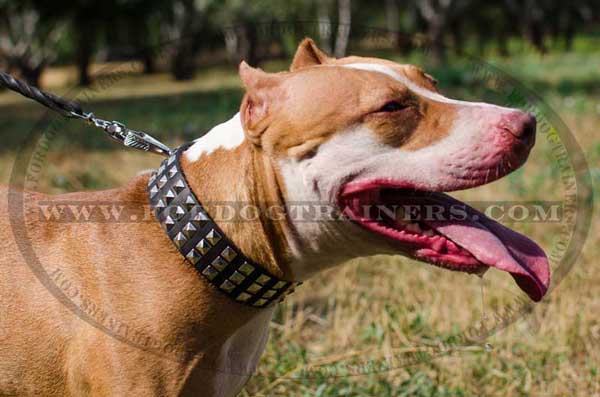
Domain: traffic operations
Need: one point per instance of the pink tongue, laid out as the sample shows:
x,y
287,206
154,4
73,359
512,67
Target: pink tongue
x,y
496,245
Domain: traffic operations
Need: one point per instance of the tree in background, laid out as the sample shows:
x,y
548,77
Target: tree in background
x,y
439,16
243,21
30,30
86,20
326,25
28,40
184,23
343,31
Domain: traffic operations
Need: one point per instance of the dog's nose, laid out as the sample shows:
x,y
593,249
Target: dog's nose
x,y
521,124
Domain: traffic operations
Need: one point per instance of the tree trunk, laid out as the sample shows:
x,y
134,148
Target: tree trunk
x,y
392,21
183,66
85,49
147,49
324,25
148,61
457,37
569,35
253,58
438,48
343,33
31,74
535,35
232,44
502,39
438,17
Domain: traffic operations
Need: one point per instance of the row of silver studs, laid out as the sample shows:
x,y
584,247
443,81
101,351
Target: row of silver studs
x,y
161,197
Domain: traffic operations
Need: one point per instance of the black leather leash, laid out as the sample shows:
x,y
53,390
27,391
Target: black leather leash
x,y
115,130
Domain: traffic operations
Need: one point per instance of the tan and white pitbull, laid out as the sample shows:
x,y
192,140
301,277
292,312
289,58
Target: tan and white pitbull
x,y
345,132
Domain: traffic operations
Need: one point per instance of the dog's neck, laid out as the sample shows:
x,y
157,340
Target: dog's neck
x,y
225,170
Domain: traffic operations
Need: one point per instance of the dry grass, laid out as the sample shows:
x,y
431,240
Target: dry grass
x,y
393,307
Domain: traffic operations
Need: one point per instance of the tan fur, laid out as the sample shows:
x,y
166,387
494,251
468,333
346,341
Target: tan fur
x,y
132,273
312,113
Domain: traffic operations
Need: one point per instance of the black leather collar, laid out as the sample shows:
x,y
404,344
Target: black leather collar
x,y
203,243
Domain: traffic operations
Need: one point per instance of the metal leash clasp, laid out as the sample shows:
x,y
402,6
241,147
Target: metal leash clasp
x,y
126,136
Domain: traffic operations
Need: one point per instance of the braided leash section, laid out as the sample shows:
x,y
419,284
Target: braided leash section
x,y
64,107
117,131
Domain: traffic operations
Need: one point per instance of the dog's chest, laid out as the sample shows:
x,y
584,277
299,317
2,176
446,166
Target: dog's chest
x,y
235,360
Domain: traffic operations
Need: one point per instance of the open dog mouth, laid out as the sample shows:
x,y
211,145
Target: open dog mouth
x,y
436,228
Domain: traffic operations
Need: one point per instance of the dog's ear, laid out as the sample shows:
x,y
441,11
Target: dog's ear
x,y
262,90
308,54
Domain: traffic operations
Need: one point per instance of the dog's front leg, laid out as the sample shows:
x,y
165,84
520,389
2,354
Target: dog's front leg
x,y
104,366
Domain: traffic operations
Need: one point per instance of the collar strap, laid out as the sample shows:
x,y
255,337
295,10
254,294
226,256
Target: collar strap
x,y
204,245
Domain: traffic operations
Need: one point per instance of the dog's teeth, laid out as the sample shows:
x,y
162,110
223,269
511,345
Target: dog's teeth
x,y
452,247
438,244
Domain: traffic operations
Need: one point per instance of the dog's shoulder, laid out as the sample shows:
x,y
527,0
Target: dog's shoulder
x,y
50,215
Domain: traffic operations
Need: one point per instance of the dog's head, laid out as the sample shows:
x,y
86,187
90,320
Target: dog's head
x,y
377,142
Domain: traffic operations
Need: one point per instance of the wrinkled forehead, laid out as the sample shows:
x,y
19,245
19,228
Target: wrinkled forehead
x,y
409,75
359,81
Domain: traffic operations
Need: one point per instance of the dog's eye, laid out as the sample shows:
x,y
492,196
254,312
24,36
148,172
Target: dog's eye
x,y
392,106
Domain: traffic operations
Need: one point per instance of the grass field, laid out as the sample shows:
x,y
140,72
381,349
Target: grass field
x,y
379,307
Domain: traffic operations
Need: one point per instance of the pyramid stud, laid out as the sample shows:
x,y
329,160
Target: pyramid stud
x,y
269,293
262,279
210,272
152,177
246,268
161,168
168,223
159,207
179,185
193,256
161,181
189,230
203,247
243,297
228,254
169,196
153,191
227,286
219,263
178,213
189,202
237,277
200,219
260,303
279,285
172,171
254,288
287,291
213,236
179,240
